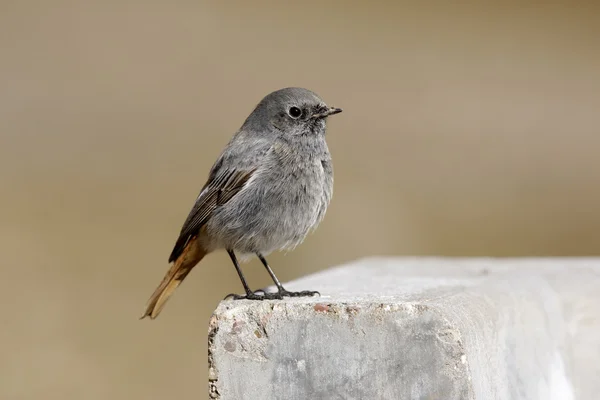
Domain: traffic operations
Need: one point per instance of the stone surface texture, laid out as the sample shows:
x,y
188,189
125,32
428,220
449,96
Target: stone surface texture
x,y
417,328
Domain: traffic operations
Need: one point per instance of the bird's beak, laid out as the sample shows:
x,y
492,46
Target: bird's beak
x,y
333,110
327,112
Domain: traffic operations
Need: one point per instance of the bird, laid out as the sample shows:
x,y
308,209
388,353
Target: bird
x,y
268,189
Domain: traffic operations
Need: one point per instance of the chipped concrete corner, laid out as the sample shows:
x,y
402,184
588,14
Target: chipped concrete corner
x,y
301,349
213,328
417,328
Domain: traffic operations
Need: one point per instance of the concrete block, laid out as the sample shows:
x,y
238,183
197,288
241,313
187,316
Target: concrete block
x,y
417,328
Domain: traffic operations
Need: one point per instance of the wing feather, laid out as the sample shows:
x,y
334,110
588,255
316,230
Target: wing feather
x,y
222,186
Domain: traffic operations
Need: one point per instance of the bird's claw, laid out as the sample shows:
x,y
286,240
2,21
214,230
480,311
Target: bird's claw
x,y
247,296
279,295
303,293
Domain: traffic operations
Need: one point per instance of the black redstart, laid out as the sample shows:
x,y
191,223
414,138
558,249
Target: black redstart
x,y
268,189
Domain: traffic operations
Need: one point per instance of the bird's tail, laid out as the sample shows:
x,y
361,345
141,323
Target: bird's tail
x,y
181,267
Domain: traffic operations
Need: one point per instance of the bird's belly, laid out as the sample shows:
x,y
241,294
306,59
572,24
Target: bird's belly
x,y
276,214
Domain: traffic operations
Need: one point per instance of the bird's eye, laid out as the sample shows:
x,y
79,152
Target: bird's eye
x,y
295,112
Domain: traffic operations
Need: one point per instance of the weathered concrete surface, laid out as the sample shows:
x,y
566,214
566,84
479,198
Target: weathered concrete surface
x,y
404,328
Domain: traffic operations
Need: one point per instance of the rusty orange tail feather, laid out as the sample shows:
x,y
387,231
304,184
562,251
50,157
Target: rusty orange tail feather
x,y
191,255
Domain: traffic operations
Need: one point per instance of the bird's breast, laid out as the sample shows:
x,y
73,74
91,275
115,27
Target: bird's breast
x,y
281,203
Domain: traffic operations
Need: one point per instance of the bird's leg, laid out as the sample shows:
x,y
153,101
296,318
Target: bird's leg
x,y
250,295
281,291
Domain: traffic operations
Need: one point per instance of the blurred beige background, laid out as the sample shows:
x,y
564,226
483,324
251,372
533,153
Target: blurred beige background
x,y
467,130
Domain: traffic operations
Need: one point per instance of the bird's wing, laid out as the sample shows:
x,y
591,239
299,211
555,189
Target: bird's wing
x,y
222,185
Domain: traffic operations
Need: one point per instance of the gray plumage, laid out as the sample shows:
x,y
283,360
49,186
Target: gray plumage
x,y
268,189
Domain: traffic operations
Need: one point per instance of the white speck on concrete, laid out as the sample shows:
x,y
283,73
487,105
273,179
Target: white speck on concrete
x,y
559,387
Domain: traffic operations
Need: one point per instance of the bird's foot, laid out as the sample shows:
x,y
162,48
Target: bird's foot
x,y
247,296
303,293
279,295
